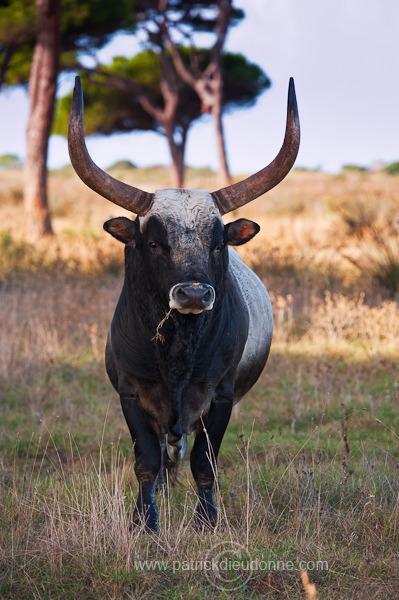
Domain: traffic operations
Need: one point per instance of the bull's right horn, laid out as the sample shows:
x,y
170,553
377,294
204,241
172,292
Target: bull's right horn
x,y
122,194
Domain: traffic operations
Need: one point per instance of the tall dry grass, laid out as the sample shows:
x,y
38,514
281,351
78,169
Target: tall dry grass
x,y
70,532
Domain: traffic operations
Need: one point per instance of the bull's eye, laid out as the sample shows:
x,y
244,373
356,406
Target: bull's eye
x,y
219,248
153,245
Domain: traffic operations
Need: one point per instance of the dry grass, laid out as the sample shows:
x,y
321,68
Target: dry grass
x,y
308,472
287,508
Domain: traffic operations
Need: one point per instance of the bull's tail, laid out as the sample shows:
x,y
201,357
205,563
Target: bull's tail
x,y
171,470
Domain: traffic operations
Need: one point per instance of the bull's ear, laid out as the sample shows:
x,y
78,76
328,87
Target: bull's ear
x,y
122,229
240,231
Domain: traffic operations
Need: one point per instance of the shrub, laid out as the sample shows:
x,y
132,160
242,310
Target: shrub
x,y
353,169
10,161
359,215
380,257
393,168
122,164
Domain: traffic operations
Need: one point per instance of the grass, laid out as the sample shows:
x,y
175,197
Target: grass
x,y
308,477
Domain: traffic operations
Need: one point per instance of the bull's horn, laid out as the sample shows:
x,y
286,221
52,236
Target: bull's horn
x,y
238,194
124,195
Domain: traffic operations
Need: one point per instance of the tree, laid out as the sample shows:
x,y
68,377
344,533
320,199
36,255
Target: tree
x,y
184,18
173,24
42,88
130,97
36,43
207,82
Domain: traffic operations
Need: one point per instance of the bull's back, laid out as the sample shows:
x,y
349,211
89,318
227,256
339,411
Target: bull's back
x,y
260,330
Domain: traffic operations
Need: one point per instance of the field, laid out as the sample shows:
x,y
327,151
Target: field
x,y
309,467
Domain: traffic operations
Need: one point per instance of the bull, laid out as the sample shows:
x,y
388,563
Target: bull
x,y
193,325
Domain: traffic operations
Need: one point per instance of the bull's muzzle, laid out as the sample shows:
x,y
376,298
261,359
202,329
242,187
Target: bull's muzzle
x,y
192,297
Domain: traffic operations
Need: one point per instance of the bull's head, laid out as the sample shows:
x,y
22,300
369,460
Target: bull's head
x,y
180,236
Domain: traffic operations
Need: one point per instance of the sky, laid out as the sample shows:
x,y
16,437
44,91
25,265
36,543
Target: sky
x,y
343,55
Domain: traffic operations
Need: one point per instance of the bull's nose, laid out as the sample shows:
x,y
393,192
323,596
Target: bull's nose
x,y
192,297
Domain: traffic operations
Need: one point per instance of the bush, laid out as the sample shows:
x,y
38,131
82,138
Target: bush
x,y
392,169
380,257
359,214
353,169
122,164
10,161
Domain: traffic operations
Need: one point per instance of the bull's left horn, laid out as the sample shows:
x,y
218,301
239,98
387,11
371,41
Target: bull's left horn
x,y
120,193
238,194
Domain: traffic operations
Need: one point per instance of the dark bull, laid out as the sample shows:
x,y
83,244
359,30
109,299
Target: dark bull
x,y
193,325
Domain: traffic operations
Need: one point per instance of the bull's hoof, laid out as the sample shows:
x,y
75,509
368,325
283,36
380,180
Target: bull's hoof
x,y
205,518
161,487
148,521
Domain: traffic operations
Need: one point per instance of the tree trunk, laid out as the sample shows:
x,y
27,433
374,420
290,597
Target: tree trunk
x,y
42,90
208,84
177,171
177,151
224,172
216,111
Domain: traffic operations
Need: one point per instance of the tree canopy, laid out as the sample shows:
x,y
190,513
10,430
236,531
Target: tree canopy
x,y
85,25
187,18
109,110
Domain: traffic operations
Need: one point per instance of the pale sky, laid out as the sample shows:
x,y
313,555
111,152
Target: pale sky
x,y
344,56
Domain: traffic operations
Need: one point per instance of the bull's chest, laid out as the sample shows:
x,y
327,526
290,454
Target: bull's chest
x,y
159,400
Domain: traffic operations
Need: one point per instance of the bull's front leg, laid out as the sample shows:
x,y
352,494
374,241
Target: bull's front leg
x,y
148,458
204,457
